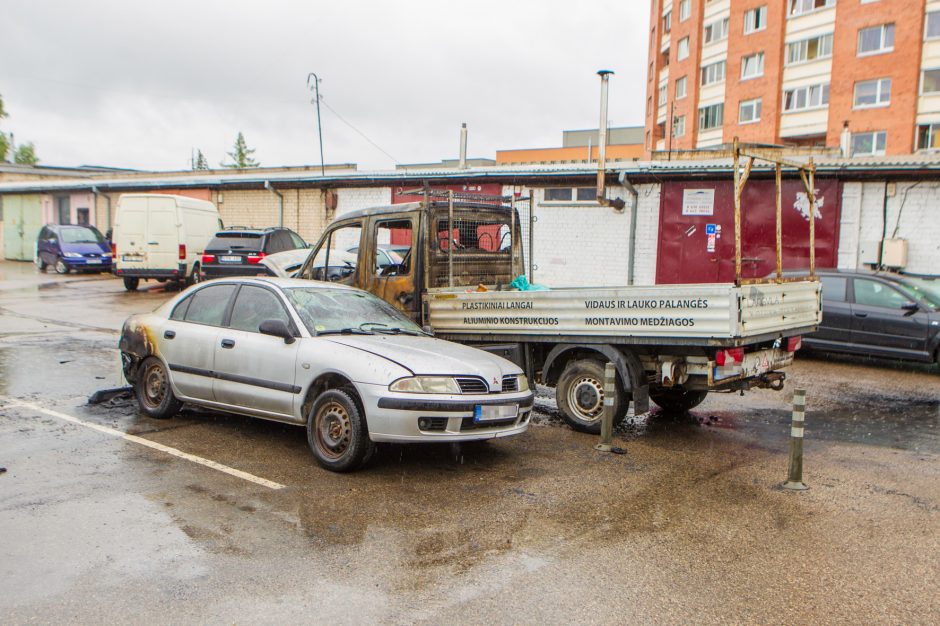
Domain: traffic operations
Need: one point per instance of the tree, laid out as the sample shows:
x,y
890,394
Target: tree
x,y
25,154
4,148
3,112
241,154
200,162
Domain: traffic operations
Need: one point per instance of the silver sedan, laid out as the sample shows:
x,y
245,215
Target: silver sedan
x,y
338,360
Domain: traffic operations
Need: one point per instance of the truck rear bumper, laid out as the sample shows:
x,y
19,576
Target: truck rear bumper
x,y
133,272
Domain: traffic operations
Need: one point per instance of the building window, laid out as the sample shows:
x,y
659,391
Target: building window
x,y
749,111
681,87
715,31
682,49
809,49
869,144
661,98
678,126
570,194
649,106
799,7
64,210
685,10
928,136
712,116
872,93
667,22
808,97
932,25
876,39
755,20
665,58
714,73
752,66
930,81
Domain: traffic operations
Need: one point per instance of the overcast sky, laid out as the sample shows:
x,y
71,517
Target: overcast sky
x,y
139,84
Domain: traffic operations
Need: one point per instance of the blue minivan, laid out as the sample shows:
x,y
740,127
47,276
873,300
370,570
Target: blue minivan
x,y
67,247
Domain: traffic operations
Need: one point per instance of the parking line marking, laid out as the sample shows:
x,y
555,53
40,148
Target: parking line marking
x,y
231,471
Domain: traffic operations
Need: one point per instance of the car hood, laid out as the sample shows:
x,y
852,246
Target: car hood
x,y
426,355
85,248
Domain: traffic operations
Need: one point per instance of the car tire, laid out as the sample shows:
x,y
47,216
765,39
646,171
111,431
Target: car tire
x,y
677,399
40,264
153,391
196,277
337,432
579,394
60,266
131,283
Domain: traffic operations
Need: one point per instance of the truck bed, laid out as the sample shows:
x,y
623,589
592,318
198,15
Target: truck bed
x,y
700,314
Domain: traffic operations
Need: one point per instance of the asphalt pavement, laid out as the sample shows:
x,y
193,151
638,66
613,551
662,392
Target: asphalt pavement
x,y
106,515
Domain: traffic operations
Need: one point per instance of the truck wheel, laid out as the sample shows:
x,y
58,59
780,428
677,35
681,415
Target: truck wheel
x,y
131,283
677,399
154,394
60,266
580,396
337,432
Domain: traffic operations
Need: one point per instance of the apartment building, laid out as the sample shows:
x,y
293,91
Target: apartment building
x,y
863,75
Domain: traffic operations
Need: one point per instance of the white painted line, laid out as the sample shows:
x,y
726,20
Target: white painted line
x,y
231,471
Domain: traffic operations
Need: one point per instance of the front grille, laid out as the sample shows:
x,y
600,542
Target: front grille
x,y
472,385
467,423
510,383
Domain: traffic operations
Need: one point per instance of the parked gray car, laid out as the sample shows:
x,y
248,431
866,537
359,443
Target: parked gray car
x,y
336,359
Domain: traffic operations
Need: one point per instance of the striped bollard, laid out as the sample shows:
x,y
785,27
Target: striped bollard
x,y
607,413
795,475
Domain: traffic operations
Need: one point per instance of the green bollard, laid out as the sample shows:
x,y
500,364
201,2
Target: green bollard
x,y
795,474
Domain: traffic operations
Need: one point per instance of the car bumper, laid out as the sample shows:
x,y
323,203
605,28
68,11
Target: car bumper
x,y
123,271
88,264
395,417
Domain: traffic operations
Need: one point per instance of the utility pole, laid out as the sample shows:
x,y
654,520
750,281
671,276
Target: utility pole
x,y
316,90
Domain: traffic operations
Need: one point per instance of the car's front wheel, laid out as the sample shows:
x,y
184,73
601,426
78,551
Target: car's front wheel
x,y
337,432
60,266
153,391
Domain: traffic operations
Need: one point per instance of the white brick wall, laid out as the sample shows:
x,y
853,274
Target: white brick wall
x,y
357,198
647,234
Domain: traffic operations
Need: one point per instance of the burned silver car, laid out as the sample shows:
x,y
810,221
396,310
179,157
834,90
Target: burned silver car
x,y
335,359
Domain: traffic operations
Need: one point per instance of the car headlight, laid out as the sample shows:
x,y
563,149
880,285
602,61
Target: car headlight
x,y
425,384
106,255
72,255
523,382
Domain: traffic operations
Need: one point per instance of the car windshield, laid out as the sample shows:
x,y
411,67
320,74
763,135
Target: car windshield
x,y
81,234
928,290
325,311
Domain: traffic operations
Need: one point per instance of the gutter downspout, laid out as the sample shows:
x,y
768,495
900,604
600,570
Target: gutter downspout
x,y
634,202
95,192
280,202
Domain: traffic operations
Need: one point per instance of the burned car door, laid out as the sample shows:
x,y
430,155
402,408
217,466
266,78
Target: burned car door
x,y
393,282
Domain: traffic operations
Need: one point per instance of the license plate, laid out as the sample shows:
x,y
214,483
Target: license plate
x,y
132,259
230,259
495,412
92,261
755,364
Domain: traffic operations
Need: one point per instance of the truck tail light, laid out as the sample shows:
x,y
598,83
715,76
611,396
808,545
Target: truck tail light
x,y
794,344
113,249
208,258
255,258
729,356
182,252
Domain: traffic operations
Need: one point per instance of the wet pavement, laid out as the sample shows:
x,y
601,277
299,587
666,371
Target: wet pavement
x,y
688,526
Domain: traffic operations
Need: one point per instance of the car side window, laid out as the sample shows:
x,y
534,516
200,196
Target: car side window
x,y
833,288
254,305
296,240
209,304
44,234
874,293
179,311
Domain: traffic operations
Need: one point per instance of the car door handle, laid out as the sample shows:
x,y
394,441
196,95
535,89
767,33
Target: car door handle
x,y
861,315
169,334
228,343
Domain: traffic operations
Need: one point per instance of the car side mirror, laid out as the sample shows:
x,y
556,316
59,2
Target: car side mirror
x,y
277,328
911,307
52,241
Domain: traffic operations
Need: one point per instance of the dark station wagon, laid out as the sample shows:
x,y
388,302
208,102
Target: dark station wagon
x,y
239,251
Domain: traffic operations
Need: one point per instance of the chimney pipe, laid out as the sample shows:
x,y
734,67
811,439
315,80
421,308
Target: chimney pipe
x,y
463,146
602,138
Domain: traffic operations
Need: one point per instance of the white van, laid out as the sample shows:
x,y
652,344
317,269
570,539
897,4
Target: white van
x,y
161,237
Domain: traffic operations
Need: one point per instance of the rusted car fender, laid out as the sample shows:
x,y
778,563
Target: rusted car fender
x,y
136,344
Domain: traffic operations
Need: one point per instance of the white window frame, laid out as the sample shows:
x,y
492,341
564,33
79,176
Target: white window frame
x,y
684,81
684,42
936,16
823,94
662,95
573,198
667,22
923,73
796,8
759,56
705,71
678,126
933,128
685,10
755,20
874,137
720,26
880,91
711,107
754,105
880,50
804,49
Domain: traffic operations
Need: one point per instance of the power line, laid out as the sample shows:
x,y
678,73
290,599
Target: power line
x,y
364,136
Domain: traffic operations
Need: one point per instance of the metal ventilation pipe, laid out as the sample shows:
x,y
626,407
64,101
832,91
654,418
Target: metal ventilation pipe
x,y
463,146
602,147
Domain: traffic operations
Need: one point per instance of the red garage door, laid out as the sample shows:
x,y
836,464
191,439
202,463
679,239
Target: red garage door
x,y
696,229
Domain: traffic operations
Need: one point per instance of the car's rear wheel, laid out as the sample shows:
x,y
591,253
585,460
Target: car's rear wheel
x,y
60,266
337,432
196,277
580,396
40,264
153,391
131,283
677,399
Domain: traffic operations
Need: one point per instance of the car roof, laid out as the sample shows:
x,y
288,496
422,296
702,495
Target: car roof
x,y
887,275
283,283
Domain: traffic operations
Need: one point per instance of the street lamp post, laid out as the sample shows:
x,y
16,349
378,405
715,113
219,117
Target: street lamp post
x,y
316,89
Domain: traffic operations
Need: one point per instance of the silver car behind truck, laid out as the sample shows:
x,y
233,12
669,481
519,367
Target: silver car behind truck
x,y
338,360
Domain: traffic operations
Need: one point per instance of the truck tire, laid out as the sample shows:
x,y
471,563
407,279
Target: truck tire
x,y
131,283
580,396
677,399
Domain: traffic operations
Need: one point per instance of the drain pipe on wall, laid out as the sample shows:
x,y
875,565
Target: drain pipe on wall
x,y
280,202
634,202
